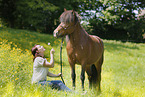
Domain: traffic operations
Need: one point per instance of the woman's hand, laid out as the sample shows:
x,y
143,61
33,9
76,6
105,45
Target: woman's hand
x,y
53,75
60,74
52,51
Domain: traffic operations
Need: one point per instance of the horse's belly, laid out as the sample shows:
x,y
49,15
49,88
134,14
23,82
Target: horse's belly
x,y
87,55
81,59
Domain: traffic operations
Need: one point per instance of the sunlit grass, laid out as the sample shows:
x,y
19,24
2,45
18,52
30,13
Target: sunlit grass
x,y
123,71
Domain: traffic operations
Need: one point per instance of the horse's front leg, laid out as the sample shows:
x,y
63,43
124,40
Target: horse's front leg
x,y
83,76
73,74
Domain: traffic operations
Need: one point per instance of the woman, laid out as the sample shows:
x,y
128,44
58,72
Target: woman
x,y
40,69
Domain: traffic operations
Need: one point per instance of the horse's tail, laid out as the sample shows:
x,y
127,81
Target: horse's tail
x,y
96,73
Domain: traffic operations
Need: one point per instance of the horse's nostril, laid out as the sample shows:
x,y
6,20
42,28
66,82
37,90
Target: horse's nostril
x,y
56,33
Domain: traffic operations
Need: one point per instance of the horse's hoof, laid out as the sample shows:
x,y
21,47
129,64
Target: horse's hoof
x,y
84,92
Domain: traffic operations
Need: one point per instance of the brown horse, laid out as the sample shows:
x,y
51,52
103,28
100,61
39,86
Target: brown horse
x,y
82,48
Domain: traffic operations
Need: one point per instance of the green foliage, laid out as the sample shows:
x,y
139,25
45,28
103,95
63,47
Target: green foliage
x,y
115,19
122,72
7,9
36,15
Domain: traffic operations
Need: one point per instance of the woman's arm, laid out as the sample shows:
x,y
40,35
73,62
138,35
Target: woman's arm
x,y
53,75
51,64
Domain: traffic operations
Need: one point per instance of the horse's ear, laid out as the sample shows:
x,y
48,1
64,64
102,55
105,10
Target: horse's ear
x,y
73,12
65,9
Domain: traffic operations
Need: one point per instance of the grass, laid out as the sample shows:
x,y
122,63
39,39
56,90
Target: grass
x,y
123,71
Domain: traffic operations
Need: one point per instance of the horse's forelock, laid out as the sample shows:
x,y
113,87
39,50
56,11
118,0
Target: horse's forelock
x,y
68,17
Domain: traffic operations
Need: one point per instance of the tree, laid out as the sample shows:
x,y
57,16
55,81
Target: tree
x,y
115,19
7,8
38,15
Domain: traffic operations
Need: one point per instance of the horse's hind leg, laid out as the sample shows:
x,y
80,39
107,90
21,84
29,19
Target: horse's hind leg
x,y
97,79
89,73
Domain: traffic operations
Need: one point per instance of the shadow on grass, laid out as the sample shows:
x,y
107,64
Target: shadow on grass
x,y
115,46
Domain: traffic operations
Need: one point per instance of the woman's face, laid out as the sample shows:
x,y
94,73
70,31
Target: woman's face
x,y
40,49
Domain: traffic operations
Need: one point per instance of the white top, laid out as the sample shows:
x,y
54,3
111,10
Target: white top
x,y
39,71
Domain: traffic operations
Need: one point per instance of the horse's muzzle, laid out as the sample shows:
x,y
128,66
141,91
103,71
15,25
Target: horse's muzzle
x,y
55,34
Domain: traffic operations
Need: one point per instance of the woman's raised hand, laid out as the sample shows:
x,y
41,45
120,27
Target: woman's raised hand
x,y
52,51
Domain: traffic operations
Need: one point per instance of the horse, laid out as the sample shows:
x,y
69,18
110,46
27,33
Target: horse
x,y
82,48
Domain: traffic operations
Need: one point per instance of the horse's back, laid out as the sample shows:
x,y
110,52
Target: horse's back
x,y
97,40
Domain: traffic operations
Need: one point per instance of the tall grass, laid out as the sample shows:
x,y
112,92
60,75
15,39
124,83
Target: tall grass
x,y
123,71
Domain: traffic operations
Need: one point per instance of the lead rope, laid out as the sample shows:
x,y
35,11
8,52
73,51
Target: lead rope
x,y
61,59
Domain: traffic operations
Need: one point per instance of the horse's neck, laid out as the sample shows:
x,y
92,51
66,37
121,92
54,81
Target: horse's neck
x,y
77,36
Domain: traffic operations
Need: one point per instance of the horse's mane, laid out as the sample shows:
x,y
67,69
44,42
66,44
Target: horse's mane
x,y
69,17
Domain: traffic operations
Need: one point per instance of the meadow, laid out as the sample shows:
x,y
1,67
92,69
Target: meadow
x,y
123,71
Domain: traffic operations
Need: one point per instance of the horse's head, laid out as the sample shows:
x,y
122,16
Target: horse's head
x,y
68,21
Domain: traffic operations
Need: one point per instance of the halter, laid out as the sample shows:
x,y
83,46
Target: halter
x,y
64,27
68,26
